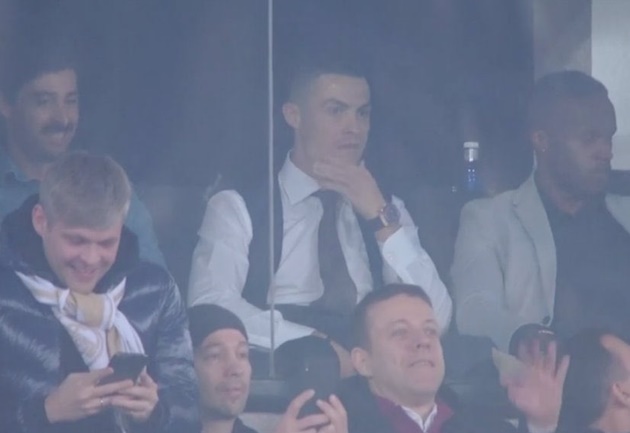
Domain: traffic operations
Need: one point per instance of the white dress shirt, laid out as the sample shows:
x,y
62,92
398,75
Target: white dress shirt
x,y
425,424
220,260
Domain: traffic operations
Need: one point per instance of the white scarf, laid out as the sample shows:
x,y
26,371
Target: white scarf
x,y
97,327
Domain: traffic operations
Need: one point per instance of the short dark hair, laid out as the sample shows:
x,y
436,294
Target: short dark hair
x,y
360,336
556,87
319,62
30,57
591,373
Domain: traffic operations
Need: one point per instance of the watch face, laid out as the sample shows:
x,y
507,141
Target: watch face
x,y
391,214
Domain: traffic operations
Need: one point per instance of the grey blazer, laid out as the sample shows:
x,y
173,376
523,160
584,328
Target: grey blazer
x,y
504,267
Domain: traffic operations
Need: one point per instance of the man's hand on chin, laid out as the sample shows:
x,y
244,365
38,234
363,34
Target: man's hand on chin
x,y
355,182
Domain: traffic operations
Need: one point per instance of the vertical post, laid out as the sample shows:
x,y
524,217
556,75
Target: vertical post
x,y
271,181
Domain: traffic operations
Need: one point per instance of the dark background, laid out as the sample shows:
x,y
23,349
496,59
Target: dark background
x,y
177,90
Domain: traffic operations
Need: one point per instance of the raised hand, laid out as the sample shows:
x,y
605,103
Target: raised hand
x,y
354,182
537,392
337,415
289,423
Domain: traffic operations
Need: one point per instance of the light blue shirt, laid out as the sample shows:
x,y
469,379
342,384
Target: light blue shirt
x,y
15,187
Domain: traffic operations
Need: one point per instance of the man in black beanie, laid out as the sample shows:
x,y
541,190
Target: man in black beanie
x,y
222,365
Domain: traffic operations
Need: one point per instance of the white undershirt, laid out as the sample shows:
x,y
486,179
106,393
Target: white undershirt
x,y
424,424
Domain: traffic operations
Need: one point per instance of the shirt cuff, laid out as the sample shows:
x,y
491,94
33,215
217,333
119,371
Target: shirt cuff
x,y
531,428
400,249
284,331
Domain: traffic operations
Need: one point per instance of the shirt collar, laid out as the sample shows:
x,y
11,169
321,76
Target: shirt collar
x,y
393,410
296,184
9,170
424,424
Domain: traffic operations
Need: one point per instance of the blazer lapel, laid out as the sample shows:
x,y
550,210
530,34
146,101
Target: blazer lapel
x,y
619,207
531,212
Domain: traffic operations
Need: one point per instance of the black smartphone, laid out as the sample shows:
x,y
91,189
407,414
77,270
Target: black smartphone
x,y
320,376
308,363
126,366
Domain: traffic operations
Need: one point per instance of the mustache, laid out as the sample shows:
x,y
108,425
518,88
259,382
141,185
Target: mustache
x,y
57,127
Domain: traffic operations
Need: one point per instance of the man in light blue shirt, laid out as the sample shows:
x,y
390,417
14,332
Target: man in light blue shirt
x,y
39,101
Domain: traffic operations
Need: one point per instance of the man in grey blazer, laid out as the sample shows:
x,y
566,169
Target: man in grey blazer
x,y
556,250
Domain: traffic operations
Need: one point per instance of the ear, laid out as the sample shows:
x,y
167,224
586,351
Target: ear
x,y
291,113
361,361
540,141
40,222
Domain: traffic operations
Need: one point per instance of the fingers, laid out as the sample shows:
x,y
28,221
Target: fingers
x,y
97,404
334,165
563,368
549,359
528,351
129,404
335,412
334,176
541,355
522,352
145,389
337,405
145,380
312,421
137,409
296,404
112,388
95,376
137,392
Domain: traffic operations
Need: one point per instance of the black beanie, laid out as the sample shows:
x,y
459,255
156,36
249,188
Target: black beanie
x,y
205,319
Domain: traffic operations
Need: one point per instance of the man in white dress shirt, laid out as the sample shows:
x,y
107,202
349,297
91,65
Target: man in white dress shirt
x,y
329,111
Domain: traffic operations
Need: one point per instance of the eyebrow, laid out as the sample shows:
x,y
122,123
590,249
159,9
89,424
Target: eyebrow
x,y
406,322
345,105
213,345
335,101
47,93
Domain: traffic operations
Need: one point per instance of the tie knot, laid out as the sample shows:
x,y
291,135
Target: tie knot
x,y
328,198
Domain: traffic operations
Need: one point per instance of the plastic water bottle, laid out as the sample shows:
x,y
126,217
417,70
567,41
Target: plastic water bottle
x,y
472,182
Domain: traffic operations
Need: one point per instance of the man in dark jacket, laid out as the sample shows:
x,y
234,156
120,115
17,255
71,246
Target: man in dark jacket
x,y
74,293
398,355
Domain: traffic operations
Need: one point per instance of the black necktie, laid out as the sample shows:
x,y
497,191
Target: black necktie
x,y
340,292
